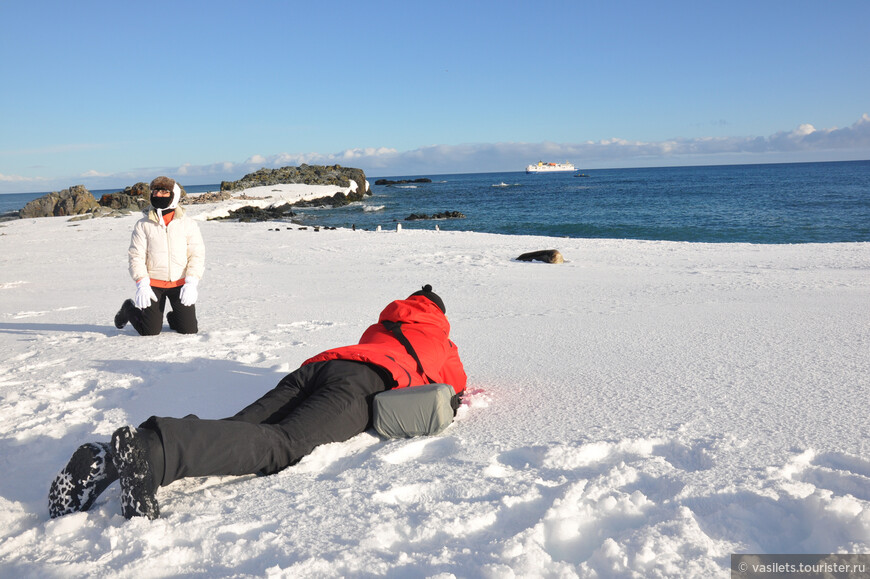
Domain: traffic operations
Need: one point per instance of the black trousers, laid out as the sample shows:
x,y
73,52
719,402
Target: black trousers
x,y
149,322
318,403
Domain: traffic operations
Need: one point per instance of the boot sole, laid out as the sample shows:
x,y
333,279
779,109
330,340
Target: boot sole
x,y
87,474
134,471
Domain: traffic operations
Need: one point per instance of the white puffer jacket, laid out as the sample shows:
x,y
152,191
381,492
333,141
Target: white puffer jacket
x,y
166,253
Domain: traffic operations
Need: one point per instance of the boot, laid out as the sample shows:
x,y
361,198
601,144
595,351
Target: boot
x,y
123,315
82,480
130,453
170,319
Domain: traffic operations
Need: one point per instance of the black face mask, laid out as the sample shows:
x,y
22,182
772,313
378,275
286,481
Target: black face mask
x,y
161,202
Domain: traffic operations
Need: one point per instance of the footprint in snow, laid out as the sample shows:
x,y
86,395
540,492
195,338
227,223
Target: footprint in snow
x,y
840,473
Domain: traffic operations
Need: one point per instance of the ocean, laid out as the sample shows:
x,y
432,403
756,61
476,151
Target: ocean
x,y
773,203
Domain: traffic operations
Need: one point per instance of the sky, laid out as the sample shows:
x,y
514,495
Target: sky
x,y
107,94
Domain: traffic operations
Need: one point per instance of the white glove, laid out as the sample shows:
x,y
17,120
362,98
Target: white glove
x,y
188,291
144,294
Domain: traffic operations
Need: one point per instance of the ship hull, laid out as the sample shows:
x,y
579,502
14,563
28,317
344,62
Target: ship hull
x,y
550,168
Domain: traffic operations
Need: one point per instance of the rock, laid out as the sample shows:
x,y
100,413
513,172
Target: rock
x,y
449,215
402,181
545,255
124,202
142,189
337,200
304,174
442,215
334,175
73,201
214,197
249,213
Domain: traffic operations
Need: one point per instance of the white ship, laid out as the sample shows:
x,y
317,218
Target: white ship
x,y
542,167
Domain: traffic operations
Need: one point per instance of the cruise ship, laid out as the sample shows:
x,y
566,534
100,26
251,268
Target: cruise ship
x,y
542,167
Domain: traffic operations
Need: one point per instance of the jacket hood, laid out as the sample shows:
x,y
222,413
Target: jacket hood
x,y
415,310
426,328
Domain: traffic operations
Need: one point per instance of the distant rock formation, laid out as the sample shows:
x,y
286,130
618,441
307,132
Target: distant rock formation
x,y
442,215
124,202
213,197
78,201
135,198
337,200
249,213
73,201
335,175
402,181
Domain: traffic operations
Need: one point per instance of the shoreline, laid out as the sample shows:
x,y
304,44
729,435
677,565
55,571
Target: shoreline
x,y
712,207
274,195
265,196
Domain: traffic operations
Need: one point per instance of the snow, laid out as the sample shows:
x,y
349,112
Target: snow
x,y
644,409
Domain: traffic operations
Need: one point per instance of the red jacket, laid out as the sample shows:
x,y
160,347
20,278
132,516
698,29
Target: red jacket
x,y
428,331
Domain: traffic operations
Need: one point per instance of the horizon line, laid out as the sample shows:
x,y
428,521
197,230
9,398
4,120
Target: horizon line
x,y
116,188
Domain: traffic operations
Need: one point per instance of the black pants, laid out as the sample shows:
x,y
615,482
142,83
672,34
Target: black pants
x,y
149,322
318,403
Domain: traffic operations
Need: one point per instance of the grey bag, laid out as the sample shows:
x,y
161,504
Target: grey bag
x,y
414,411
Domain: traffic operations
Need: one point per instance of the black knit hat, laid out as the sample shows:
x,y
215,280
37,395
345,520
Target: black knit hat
x,y
427,292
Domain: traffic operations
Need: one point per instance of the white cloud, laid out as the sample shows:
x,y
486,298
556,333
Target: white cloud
x,y
513,156
19,179
805,143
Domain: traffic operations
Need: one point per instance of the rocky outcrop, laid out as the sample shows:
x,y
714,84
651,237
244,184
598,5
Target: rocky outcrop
x,y
78,201
73,201
135,198
337,200
250,213
304,174
213,197
124,202
442,215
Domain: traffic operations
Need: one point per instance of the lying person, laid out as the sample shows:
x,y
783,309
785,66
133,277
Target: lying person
x,y
327,399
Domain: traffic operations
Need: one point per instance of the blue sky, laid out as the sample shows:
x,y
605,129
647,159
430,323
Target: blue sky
x,y
110,93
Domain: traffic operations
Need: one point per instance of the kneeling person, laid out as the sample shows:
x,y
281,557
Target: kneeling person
x,y
166,259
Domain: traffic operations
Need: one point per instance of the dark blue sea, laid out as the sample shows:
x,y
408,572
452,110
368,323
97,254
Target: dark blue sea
x,y
775,203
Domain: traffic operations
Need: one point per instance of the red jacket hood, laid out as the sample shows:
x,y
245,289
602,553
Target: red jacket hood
x,y
416,310
426,328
